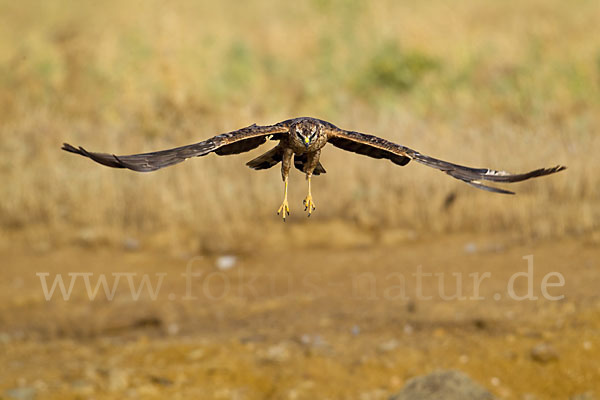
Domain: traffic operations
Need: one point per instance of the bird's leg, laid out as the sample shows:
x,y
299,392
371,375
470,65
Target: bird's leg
x,y
285,208
286,162
312,160
308,202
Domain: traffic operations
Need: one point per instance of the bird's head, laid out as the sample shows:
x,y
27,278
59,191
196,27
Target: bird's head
x,y
305,133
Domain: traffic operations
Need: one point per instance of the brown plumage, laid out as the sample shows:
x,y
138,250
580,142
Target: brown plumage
x,y
302,139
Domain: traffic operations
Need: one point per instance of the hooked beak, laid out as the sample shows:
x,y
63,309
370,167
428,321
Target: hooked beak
x,y
306,141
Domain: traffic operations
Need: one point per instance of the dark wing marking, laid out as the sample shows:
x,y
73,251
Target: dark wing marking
x,y
235,142
376,147
367,145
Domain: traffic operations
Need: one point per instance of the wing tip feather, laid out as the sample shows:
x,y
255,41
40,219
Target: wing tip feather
x,y
70,148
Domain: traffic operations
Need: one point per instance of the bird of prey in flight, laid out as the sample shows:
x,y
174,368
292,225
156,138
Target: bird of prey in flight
x,y
300,143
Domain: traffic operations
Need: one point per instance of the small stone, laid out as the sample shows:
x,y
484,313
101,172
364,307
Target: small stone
x,y
543,353
87,237
470,248
20,393
388,346
278,353
443,384
131,244
306,339
226,262
173,329
315,340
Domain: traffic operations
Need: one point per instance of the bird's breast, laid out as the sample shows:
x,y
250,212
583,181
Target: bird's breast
x,y
300,148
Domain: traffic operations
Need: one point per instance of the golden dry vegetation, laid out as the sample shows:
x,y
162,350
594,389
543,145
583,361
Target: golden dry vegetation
x,y
510,85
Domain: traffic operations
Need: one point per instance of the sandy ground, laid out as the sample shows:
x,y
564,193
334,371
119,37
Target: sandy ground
x,y
302,324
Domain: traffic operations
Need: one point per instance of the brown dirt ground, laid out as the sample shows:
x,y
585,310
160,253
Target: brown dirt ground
x,y
302,324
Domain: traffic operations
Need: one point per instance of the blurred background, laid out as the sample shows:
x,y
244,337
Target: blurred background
x,y
509,85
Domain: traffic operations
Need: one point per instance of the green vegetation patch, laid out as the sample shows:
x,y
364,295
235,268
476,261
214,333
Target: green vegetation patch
x,y
395,69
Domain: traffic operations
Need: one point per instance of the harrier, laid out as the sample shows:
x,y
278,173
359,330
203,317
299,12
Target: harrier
x,y
300,143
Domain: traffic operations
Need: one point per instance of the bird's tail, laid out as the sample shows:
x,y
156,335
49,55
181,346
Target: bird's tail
x,y
274,157
300,159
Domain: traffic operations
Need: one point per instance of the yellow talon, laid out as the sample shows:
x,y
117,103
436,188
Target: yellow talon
x,y
284,210
309,204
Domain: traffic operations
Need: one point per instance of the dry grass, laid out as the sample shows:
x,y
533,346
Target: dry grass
x,y
512,85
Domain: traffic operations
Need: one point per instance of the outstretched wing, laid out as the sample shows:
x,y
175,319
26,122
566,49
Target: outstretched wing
x,y
235,142
376,147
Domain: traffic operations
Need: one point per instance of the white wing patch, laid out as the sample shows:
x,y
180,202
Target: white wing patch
x,y
496,173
